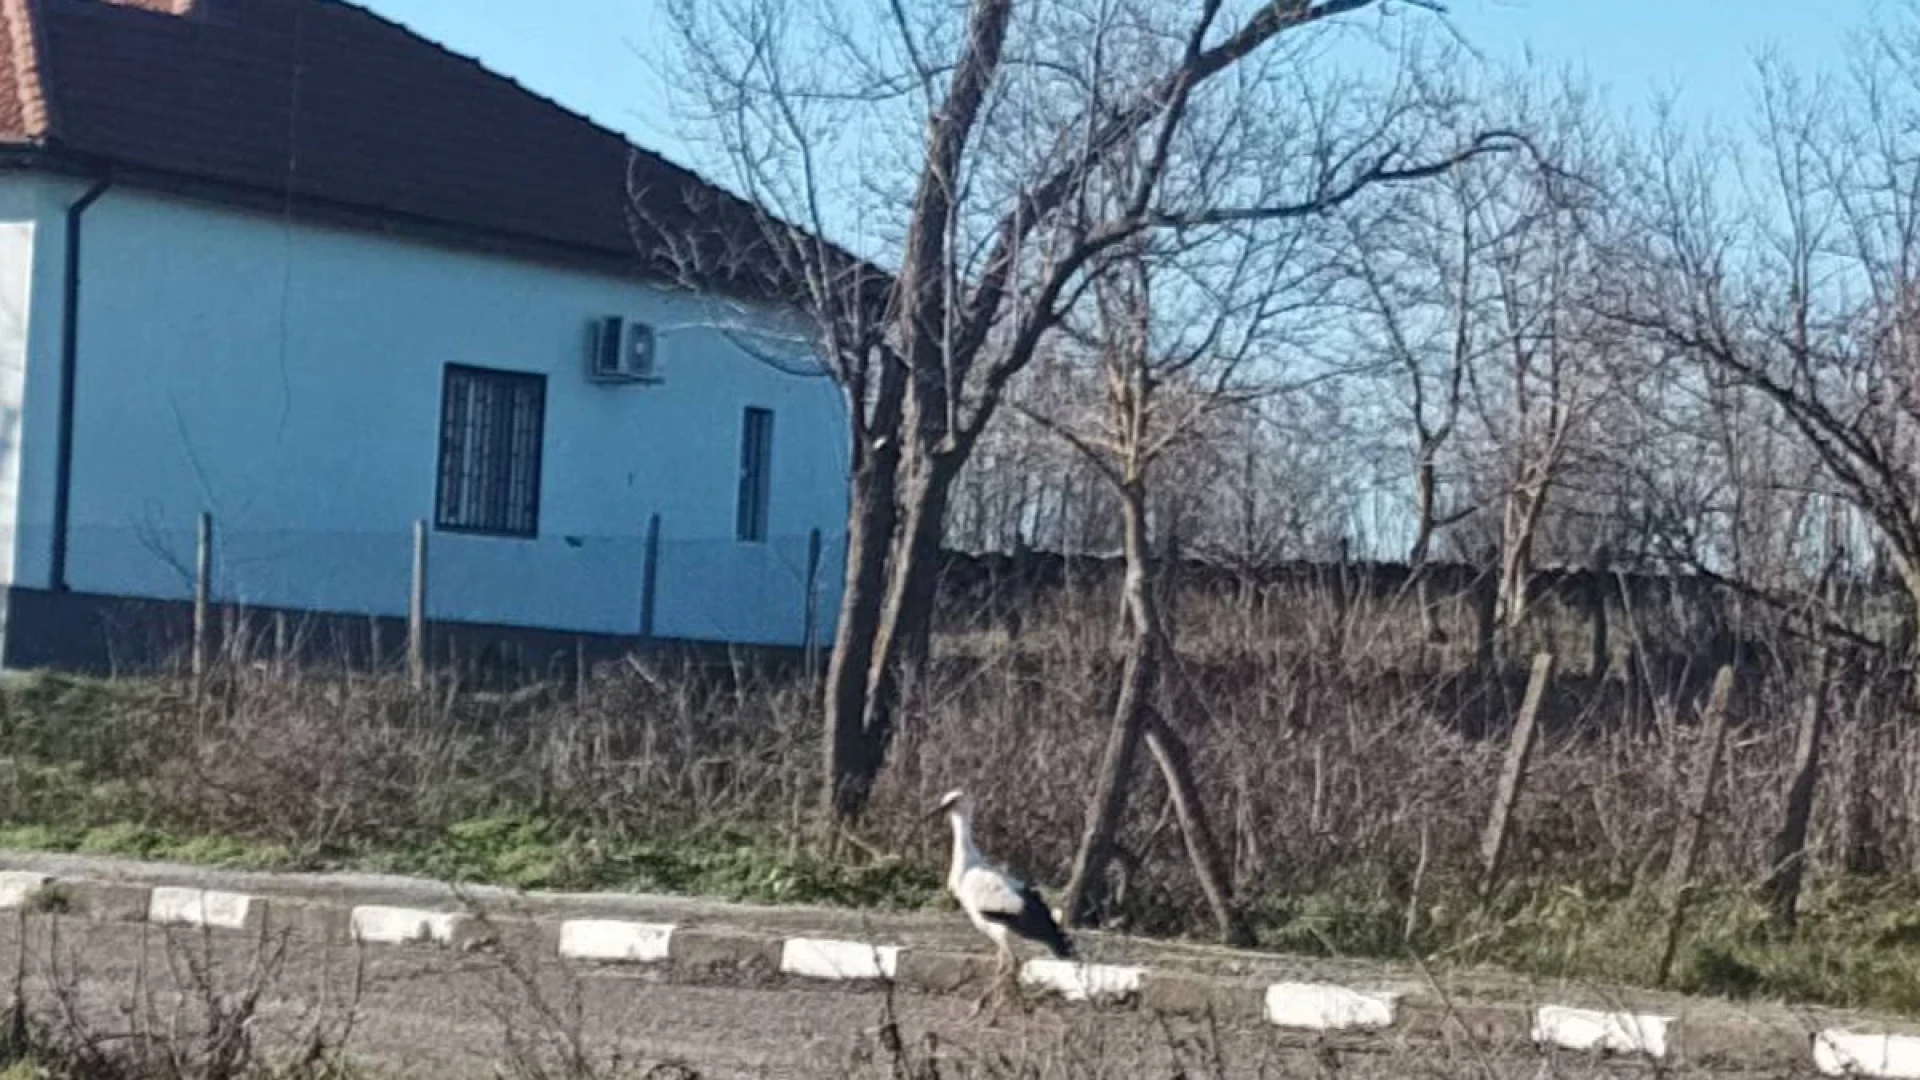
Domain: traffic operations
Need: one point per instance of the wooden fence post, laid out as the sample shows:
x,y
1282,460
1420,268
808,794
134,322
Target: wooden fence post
x,y
202,598
1790,843
649,576
1513,775
1686,841
417,610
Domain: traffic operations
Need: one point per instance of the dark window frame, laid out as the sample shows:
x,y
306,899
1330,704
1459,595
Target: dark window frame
x,y
753,506
508,442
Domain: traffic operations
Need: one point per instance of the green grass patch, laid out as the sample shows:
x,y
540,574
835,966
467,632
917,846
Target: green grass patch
x,y
1855,946
142,842
534,853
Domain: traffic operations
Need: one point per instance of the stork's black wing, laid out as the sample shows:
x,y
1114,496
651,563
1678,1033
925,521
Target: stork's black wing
x,y
1033,921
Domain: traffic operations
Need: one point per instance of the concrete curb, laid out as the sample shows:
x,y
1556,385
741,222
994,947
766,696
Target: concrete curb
x,y
1412,1013
171,905
378,924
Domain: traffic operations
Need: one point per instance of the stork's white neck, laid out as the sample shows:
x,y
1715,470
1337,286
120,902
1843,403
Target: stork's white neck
x,y
964,853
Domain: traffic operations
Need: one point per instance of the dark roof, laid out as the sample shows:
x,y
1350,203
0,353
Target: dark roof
x,y
323,103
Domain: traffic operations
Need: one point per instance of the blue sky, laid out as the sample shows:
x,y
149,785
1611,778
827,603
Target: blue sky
x,y
601,57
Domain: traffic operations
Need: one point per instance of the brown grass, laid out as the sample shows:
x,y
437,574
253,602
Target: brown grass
x,y
1348,767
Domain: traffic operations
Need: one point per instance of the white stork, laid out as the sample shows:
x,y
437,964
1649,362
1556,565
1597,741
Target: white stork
x,y
998,904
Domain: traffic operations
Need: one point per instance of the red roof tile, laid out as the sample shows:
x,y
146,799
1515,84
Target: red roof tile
x,y
324,101
23,110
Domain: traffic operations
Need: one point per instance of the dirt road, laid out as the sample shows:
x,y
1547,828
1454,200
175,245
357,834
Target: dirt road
x,y
446,1015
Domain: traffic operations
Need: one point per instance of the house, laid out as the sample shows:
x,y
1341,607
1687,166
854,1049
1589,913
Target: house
x,y
288,265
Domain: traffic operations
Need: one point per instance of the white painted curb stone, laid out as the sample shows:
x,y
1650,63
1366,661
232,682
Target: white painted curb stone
x,y
1081,982
1323,1007
821,959
1847,1053
620,942
19,888
1590,1029
376,925
170,905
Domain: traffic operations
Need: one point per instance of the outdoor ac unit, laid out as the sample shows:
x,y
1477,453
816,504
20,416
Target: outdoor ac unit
x,y
622,351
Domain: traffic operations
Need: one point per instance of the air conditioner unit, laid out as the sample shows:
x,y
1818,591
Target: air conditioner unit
x,y
622,351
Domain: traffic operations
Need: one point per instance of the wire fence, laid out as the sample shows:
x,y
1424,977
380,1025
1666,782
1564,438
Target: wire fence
x,y
651,583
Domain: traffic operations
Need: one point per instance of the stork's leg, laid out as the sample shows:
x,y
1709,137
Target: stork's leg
x,y
980,1003
1003,964
1003,981
1010,979
993,981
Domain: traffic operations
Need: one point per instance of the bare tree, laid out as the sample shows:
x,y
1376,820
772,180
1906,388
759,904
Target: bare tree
x,y
1467,292
1027,104
1175,329
1279,474
1797,290
1555,358
1415,270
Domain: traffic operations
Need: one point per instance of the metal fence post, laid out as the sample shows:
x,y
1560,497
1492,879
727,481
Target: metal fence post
x,y
417,610
202,598
649,576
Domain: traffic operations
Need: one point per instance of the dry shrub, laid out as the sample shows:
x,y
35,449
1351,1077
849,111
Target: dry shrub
x,y
1348,766
192,1012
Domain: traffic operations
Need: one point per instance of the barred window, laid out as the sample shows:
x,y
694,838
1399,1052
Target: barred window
x,y
491,427
756,468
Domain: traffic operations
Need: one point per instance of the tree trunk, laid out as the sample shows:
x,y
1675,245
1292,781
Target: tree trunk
x,y
1516,555
900,643
1425,485
1108,803
1864,853
870,520
1203,845
915,386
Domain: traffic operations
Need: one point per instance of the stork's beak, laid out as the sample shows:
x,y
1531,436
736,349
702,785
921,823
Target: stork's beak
x,y
939,811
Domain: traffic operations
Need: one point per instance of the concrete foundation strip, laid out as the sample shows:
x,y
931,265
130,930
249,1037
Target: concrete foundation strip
x,y
21,889
375,924
1847,1053
818,959
1324,1007
612,941
1610,1032
1301,1006
208,908
1076,981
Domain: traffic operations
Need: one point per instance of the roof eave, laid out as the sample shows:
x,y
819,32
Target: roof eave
x,y
630,264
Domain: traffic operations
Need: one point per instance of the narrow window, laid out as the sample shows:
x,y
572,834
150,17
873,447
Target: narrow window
x,y
756,467
491,427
